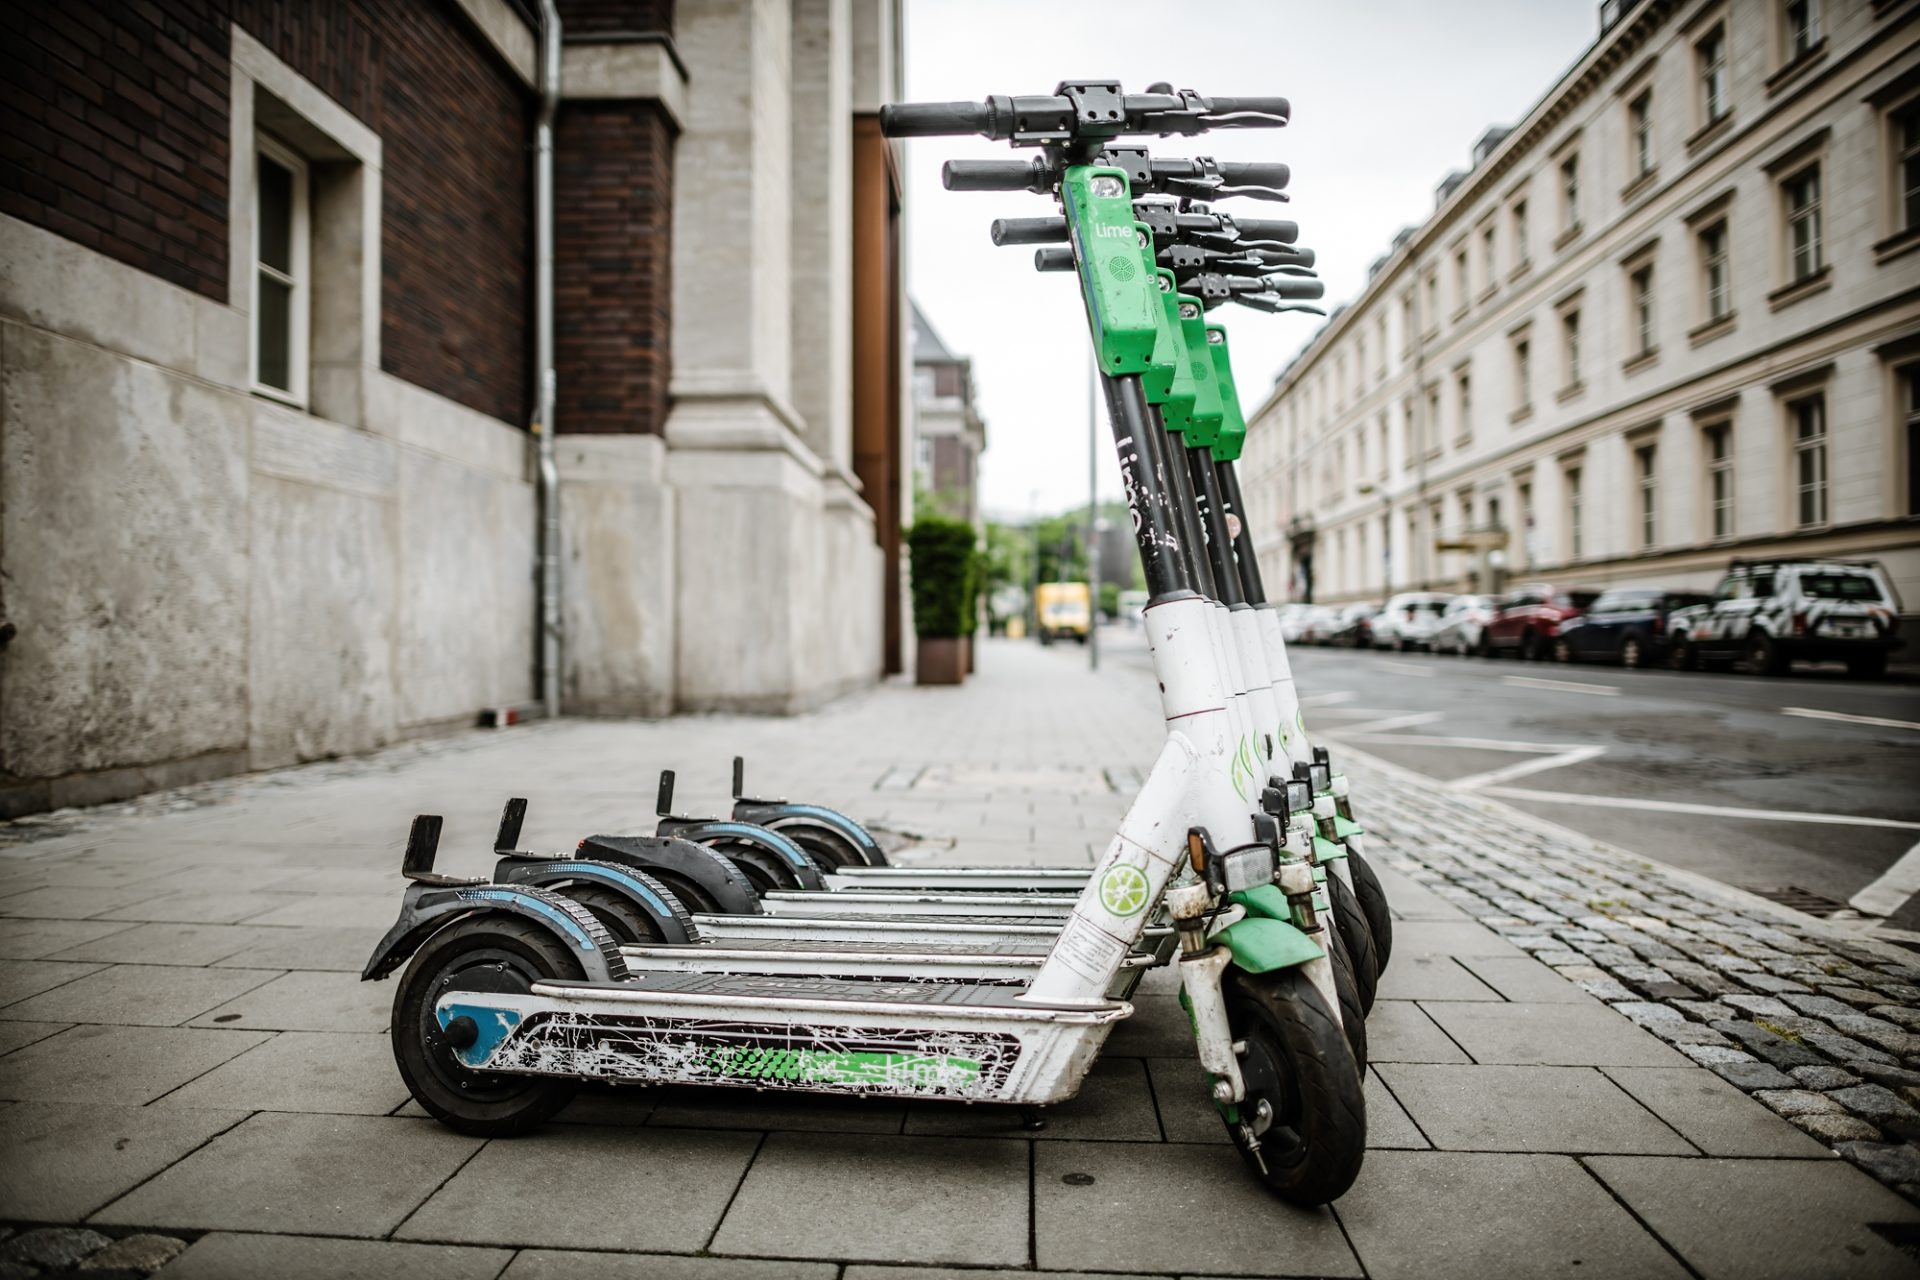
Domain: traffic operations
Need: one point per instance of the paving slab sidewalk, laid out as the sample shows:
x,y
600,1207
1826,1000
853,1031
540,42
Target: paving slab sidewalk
x,y
185,1047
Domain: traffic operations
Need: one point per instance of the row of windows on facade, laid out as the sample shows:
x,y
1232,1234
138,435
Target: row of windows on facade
x,y
1803,254
1808,481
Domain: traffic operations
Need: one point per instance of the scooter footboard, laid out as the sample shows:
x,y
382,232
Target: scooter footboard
x,y
891,1042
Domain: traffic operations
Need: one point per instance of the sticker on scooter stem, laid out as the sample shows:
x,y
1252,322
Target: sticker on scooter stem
x,y
1124,891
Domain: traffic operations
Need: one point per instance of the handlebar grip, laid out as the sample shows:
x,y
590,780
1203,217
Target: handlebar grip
x,y
1278,230
1273,106
1029,231
1288,257
1295,289
1272,175
1055,258
936,119
994,175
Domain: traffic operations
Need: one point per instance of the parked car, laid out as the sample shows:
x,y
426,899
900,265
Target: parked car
x,y
1319,625
1354,627
1529,620
1409,619
1628,625
1293,621
1770,613
1461,624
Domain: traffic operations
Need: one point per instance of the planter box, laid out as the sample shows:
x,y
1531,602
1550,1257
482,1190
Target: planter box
x,y
940,660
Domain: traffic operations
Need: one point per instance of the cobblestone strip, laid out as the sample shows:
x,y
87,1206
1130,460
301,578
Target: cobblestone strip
x,y
1822,1027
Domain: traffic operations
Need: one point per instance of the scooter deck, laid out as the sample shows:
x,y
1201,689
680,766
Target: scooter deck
x,y
966,879
1000,963
919,905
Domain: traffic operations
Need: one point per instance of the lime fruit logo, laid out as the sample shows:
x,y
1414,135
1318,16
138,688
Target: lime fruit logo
x,y
1123,891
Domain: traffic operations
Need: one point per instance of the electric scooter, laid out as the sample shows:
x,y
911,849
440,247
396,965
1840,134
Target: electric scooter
x,y
514,992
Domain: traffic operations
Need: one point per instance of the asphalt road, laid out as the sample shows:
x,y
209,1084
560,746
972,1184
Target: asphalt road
x,y
1763,783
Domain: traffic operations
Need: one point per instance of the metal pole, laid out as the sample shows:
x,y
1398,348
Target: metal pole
x,y
1093,520
549,470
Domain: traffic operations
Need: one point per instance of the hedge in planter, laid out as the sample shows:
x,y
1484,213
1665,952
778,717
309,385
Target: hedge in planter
x,y
941,554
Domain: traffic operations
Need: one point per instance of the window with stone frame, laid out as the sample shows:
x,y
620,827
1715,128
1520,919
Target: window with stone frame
x,y
1807,417
1646,478
1716,284
1710,62
1800,196
1640,133
1716,440
282,276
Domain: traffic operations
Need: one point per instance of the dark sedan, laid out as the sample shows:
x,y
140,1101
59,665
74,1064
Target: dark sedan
x,y
1626,626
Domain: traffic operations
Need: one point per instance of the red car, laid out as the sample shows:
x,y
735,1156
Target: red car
x,y
1529,619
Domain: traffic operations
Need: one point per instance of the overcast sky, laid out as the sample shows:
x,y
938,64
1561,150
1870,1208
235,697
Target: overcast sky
x,y
1388,96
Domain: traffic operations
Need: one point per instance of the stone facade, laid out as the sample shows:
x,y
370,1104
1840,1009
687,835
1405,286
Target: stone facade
x,y
200,574
1606,358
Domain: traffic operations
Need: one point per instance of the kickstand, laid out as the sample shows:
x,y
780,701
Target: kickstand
x,y
1032,1119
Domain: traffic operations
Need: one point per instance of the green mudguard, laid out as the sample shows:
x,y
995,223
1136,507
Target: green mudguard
x,y
1266,939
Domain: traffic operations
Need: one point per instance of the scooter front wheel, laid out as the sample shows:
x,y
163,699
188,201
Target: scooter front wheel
x,y
1302,1127
1373,902
1353,1015
1356,939
490,954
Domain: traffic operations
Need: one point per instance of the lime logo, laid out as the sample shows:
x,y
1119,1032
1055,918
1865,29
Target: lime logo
x,y
1123,891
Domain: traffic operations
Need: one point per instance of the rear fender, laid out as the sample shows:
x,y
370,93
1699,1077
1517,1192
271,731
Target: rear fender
x,y
426,909
790,860
647,895
678,859
776,815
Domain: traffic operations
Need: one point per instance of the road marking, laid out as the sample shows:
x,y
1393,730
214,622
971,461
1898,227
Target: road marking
x,y
1476,744
1328,699
1890,892
1478,781
1571,686
1408,667
1706,810
1391,722
1812,713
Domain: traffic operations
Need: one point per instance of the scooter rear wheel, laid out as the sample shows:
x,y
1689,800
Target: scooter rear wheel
x,y
1356,939
486,953
628,926
828,848
1302,1128
1373,901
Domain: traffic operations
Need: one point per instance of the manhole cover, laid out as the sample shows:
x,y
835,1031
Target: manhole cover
x,y
1799,899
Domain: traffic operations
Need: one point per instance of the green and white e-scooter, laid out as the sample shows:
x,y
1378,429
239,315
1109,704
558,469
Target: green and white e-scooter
x,y
512,994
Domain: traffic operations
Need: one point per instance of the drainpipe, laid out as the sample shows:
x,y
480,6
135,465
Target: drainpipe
x,y
548,552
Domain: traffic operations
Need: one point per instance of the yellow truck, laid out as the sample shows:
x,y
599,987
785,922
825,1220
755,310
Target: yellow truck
x,y
1063,610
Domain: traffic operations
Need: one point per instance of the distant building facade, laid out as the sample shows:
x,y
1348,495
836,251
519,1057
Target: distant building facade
x,y
267,355
948,433
1670,318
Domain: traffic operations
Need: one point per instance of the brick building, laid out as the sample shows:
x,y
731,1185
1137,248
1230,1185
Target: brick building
x,y
948,433
268,274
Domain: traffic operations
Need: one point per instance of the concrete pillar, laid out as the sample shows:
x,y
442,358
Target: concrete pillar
x,y
822,228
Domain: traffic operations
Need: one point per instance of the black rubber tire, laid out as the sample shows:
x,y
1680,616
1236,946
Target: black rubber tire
x,y
1373,901
1353,1018
480,1103
1356,939
1763,656
765,871
1633,653
691,895
1295,1059
1530,648
1562,651
1867,666
1683,656
629,925
1484,649
828,848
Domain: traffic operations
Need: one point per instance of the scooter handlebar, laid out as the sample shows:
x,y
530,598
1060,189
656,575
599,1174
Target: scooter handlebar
x,y
996,175
1271,175
1270,230
937,119
1259,113
1007,231
1053,258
